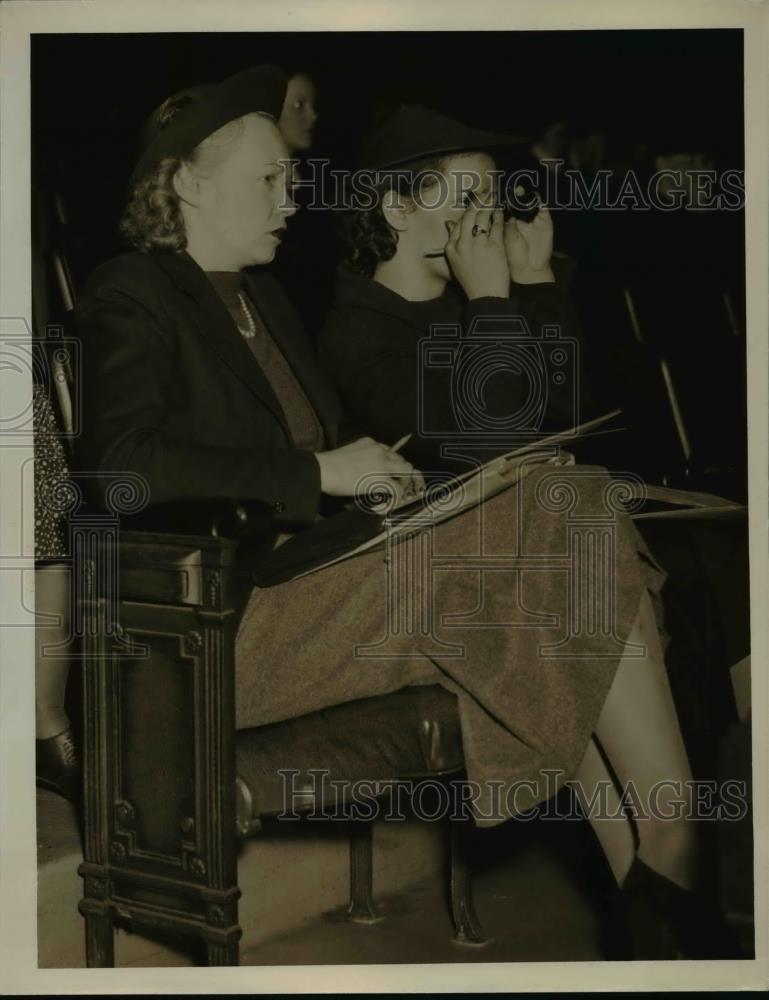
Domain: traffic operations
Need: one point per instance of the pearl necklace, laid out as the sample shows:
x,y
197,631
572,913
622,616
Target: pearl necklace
x,y
250,332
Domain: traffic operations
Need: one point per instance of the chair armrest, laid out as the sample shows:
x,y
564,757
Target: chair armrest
x,y
175,553
235,519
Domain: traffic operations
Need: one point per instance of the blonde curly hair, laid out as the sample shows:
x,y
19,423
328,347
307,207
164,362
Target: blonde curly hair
x,y
153,218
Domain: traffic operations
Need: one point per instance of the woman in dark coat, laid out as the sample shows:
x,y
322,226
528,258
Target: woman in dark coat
x,y
198,380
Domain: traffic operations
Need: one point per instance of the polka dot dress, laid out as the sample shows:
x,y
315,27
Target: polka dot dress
x,y
50,472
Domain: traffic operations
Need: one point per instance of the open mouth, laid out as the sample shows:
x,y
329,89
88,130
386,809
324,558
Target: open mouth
x,y
278,234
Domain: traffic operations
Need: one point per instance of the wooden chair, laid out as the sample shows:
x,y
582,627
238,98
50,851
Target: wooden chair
x,y
170,786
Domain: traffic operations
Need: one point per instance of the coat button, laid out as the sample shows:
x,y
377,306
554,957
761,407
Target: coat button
x,y
279,507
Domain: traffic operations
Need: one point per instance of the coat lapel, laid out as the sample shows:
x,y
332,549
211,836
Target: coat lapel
x,y
214,323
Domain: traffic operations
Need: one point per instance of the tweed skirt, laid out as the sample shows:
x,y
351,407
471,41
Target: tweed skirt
x,y
521,606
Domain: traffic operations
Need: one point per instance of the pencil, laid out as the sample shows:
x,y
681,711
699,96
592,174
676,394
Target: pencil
x,y
399,444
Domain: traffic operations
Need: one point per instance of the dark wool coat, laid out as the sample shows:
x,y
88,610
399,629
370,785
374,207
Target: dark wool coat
x,y
171,391
374,347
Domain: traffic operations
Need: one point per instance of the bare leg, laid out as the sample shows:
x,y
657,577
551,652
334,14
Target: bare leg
x,y
51,601
639,732
638,743
612,828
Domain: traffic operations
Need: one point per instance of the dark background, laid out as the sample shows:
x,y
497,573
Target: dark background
x,y
645,92
677,90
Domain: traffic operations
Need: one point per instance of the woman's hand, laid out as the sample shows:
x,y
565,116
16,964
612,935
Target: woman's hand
x,y
476,253
529,246
344,470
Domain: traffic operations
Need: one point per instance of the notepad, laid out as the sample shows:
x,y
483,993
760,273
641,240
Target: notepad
x,y
360,529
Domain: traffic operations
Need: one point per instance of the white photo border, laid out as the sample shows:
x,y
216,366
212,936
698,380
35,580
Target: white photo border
x,y
18,911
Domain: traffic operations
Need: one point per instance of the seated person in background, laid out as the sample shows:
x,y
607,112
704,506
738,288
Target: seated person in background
x,y
56,759
309,252
298,115
197,378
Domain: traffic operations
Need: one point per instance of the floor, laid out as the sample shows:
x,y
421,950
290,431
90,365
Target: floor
x,y
529,887
529,906
542,893
540,889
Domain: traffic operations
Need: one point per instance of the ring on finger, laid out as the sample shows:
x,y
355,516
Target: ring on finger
x,y
477,230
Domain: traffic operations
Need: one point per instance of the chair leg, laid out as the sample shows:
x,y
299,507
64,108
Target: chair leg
x,y
467,927
361,908
99,940
224,953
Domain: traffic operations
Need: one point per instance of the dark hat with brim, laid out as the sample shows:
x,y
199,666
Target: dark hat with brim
x,y
413,132
189,117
